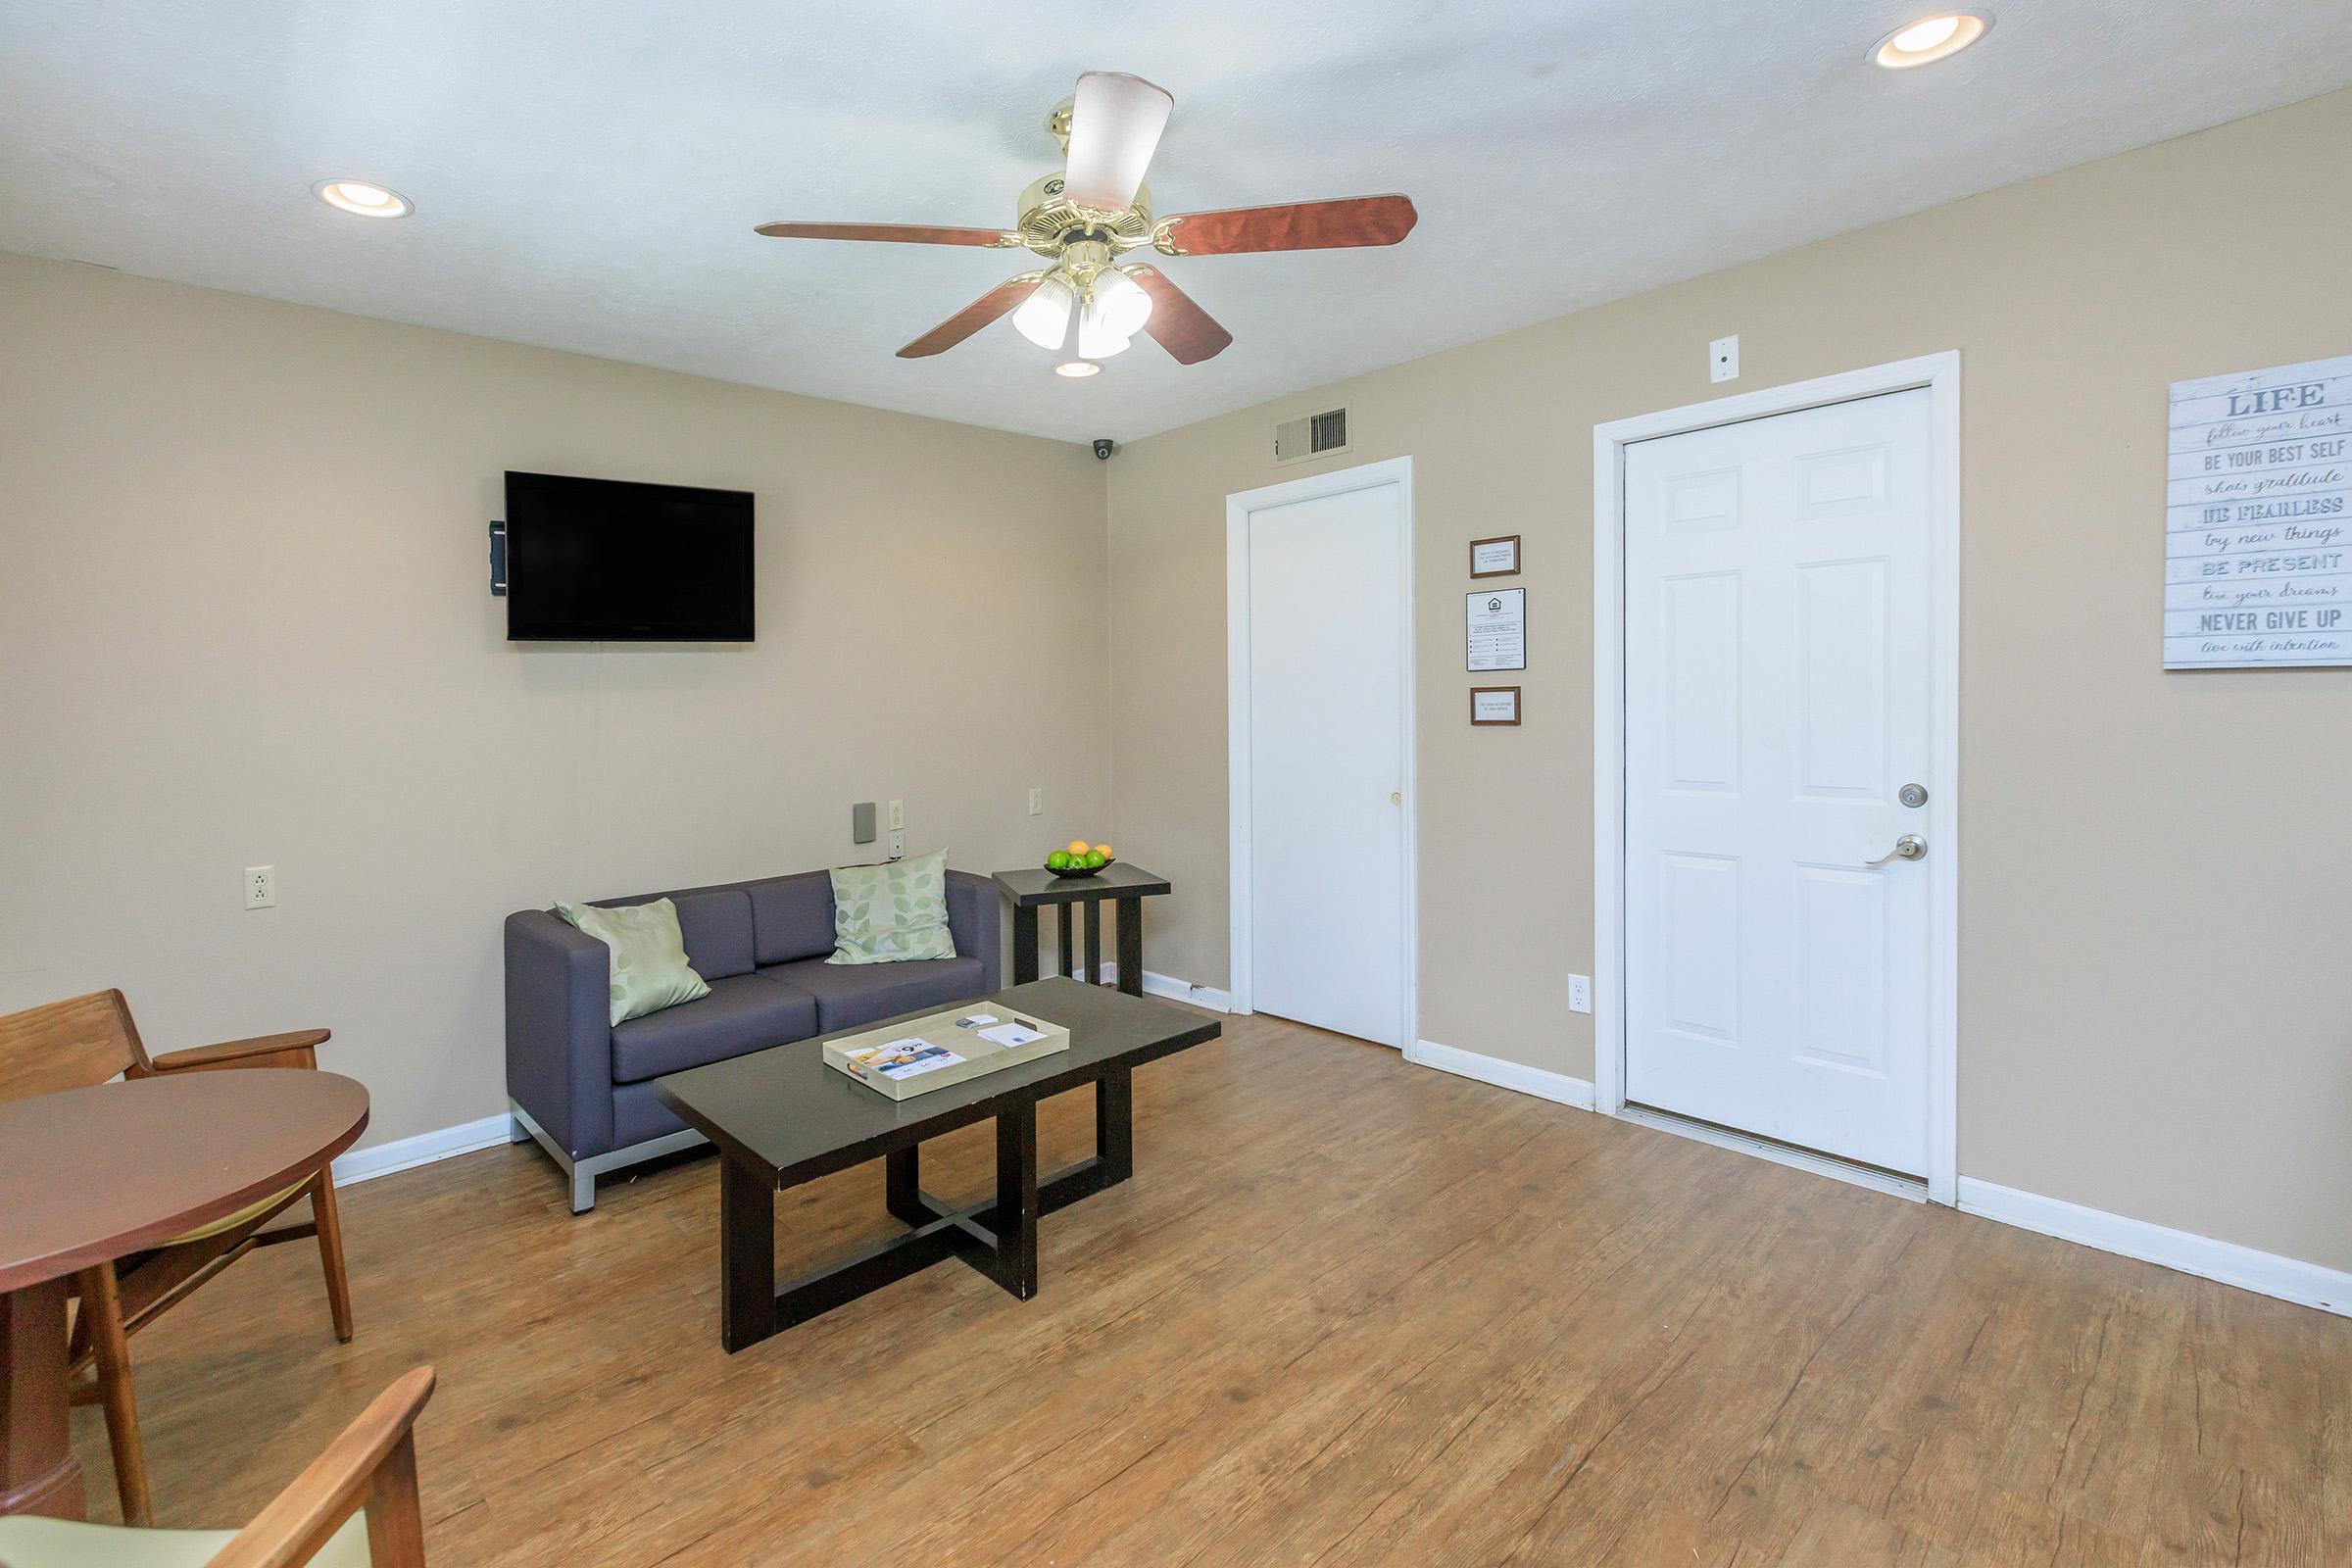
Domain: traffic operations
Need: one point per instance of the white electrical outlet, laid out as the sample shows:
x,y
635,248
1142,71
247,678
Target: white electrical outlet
x,y
1037,800
1723,359
260,887
897,813
1579,992
898,844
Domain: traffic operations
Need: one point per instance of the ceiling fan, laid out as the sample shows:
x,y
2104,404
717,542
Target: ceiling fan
x,y
1096,209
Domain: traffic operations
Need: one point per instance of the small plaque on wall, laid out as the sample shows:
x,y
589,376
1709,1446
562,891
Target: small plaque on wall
x,y
1495,557
1494,705
2258,485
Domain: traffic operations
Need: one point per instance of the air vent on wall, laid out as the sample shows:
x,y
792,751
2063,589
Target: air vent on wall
x,y
1313,435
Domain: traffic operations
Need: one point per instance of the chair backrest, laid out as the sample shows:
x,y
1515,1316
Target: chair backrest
x,y
67,1044
372,1465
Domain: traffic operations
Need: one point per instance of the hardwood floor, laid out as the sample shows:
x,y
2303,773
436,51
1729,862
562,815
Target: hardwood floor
x,y
1349,1311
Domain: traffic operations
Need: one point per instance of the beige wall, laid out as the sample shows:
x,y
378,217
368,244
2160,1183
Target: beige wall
x,y
2154,912
244,619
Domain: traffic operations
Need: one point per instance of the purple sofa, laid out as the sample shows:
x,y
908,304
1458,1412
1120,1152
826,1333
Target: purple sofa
x,y
584,1088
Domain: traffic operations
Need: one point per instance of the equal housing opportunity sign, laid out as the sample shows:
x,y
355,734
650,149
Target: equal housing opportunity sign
x,y
2258,519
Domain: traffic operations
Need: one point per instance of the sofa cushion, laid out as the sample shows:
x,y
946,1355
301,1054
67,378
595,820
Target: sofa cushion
x,y
895,913
743,1013
792,916
646,968
853,995
716,923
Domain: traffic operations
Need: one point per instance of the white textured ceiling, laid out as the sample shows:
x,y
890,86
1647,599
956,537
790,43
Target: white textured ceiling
x,y
587,173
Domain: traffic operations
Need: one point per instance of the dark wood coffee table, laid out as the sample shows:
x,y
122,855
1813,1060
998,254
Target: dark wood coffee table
x,y
782,1117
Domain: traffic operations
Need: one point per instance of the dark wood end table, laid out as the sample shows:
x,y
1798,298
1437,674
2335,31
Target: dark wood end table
x,y
782,1116
1032,888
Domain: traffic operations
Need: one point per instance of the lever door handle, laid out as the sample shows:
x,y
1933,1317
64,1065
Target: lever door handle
x,y
1910,846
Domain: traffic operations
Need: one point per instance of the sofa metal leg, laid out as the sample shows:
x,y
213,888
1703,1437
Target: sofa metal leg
x,y
584,1192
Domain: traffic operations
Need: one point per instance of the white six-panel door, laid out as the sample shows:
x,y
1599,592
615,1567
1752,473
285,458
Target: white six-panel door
x,y
1324,687
1778,698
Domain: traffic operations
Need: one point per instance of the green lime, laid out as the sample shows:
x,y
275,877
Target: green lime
x,y
1095,859
1060,859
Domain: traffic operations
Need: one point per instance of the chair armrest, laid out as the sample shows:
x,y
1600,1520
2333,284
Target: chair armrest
x,y
975,919
297,1047
560,1030
372,1465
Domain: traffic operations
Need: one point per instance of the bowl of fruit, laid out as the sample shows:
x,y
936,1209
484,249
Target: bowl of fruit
x,y
1081,859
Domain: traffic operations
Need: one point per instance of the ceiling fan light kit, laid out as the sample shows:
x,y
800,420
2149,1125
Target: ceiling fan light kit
x,y
1083,220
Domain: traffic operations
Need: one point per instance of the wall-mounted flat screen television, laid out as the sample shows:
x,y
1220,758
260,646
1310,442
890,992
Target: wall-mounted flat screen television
x,y
603,560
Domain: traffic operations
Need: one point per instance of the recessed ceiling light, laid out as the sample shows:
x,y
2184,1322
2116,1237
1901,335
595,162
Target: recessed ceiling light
x,y
1075,368
1931,38
362,199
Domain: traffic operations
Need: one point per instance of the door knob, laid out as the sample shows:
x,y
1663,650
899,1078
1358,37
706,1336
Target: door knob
x,y
1910,846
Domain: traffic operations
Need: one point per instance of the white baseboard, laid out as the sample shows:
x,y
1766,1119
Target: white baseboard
x,y
2266,1273
1543,1084
1166,985
404,1153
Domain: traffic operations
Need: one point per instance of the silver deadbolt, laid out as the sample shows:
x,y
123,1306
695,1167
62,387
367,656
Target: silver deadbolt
x,y
1914,795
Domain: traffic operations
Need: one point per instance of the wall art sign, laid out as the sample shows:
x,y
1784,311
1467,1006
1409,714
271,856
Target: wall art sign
x,y
1498,629
2258,505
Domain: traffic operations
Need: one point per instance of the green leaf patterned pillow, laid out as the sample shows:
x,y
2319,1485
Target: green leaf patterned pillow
x,y
892,913
649,968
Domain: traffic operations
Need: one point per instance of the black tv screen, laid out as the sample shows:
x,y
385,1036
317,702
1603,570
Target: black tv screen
x,y
603,560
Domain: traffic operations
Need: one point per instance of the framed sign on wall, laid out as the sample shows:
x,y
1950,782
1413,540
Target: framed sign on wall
x,y
1494,705
1494,623
2257,562
1495,557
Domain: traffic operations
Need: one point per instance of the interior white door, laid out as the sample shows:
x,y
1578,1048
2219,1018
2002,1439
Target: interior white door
x,y
1778,698
1327,761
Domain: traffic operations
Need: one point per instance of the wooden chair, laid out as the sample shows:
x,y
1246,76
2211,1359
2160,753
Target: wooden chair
x,y
86,1040
353,1506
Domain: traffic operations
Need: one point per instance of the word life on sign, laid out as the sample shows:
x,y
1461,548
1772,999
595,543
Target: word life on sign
x,y
2258,501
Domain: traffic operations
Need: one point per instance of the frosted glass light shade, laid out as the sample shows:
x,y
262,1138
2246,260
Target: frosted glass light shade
x,y
1125,305
1097,340
1044,317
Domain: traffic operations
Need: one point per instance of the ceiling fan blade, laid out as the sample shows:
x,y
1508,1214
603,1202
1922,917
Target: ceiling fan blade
x,y
1188,332
972,317
902,233
1114,128
1350,220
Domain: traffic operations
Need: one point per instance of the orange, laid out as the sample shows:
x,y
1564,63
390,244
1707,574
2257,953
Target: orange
x,y
1103,850
1079,845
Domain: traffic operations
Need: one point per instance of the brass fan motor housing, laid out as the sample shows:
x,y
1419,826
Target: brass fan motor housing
x,y
1048,223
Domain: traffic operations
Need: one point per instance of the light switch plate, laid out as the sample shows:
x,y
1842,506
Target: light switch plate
x,y
260,887
1037,800
897,813
1723,359
1579,992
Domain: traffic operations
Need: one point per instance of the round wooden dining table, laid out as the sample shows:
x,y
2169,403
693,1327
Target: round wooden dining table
x,y
90,1175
